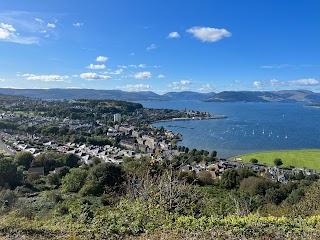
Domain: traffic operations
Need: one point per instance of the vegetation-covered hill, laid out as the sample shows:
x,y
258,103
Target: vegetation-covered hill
x,y
263,96
226,96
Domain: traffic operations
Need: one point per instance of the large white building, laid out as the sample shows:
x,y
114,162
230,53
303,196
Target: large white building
x,y
117,117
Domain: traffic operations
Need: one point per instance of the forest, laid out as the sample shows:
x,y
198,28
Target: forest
x,y
150,199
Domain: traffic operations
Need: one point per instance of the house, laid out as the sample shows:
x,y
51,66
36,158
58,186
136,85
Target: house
x,y
39,170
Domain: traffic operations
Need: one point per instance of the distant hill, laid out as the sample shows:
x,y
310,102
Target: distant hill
x,y
264,96
59,94
68,94
187,95
226,96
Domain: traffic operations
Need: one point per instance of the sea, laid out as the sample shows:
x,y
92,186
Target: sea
x,y
249,127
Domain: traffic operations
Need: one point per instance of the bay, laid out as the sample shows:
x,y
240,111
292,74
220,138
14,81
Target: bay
x,y
250,127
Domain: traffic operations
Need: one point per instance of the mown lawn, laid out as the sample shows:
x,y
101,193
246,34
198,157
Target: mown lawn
x,y
306,158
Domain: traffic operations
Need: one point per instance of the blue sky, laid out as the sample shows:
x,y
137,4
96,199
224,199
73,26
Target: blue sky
x,y
160,46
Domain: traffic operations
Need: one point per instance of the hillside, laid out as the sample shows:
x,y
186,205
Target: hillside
x,y
225,96
265,96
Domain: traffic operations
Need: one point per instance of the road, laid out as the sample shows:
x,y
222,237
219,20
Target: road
x,y
4,147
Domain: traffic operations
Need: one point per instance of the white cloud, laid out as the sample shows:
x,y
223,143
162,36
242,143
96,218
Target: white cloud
x,y
96,66
44,78
207,34
174,35
77,24
141,65
206,88
39,20
51,25
93,76
181,85
305,82
122,66
275,66
116,72
131,54
257,84
185,82
137,87
9,34
161,76
102,59
143,75
151,47
2,79
299,82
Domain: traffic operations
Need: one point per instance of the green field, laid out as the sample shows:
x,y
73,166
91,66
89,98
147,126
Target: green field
x,y
306,158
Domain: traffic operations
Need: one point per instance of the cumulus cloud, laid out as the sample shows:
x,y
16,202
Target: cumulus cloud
x,y
185,82
116,72
51,25
77,24
151,47
44,78
96,66
102,59
305,82
131,54
137,87
39,20
93,76
275,66
206,88
207,34
174,35
161,76
180,85
257,84
2,80
9,34
143,75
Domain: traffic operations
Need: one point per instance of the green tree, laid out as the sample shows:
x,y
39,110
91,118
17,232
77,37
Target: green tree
x,y
71,160
213,154
74,180
230,179
107,176
254,160
9,176
24,159
204,178
278,162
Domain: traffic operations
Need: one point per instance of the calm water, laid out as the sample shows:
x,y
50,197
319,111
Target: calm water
x,y
250,127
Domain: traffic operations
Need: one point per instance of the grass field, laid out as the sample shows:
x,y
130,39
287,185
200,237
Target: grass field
x,y
306,158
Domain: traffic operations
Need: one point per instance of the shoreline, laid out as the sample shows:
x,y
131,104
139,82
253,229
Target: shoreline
x,y
192,118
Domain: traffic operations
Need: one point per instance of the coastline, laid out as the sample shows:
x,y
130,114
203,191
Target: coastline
x,y
192,118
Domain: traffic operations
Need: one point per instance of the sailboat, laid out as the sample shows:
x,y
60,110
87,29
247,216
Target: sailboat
x,y
286,136
262,131
253,131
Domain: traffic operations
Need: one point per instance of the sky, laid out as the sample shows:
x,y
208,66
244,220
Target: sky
x,y
160,46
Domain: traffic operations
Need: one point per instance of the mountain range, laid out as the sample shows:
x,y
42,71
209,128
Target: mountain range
x,y
225,96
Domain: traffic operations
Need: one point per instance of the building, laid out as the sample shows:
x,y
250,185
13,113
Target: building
x,y
117,117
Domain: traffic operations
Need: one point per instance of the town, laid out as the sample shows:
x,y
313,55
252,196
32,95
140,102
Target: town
x,y
28,125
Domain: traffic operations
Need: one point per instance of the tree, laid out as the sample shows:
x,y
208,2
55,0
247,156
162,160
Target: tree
x,y
204,178
71,160
213,154
9,176
254,160
230,179
278,162
106,176
74,180
24,159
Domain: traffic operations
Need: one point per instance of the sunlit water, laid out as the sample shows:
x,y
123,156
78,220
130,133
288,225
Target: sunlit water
x,y
250,127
